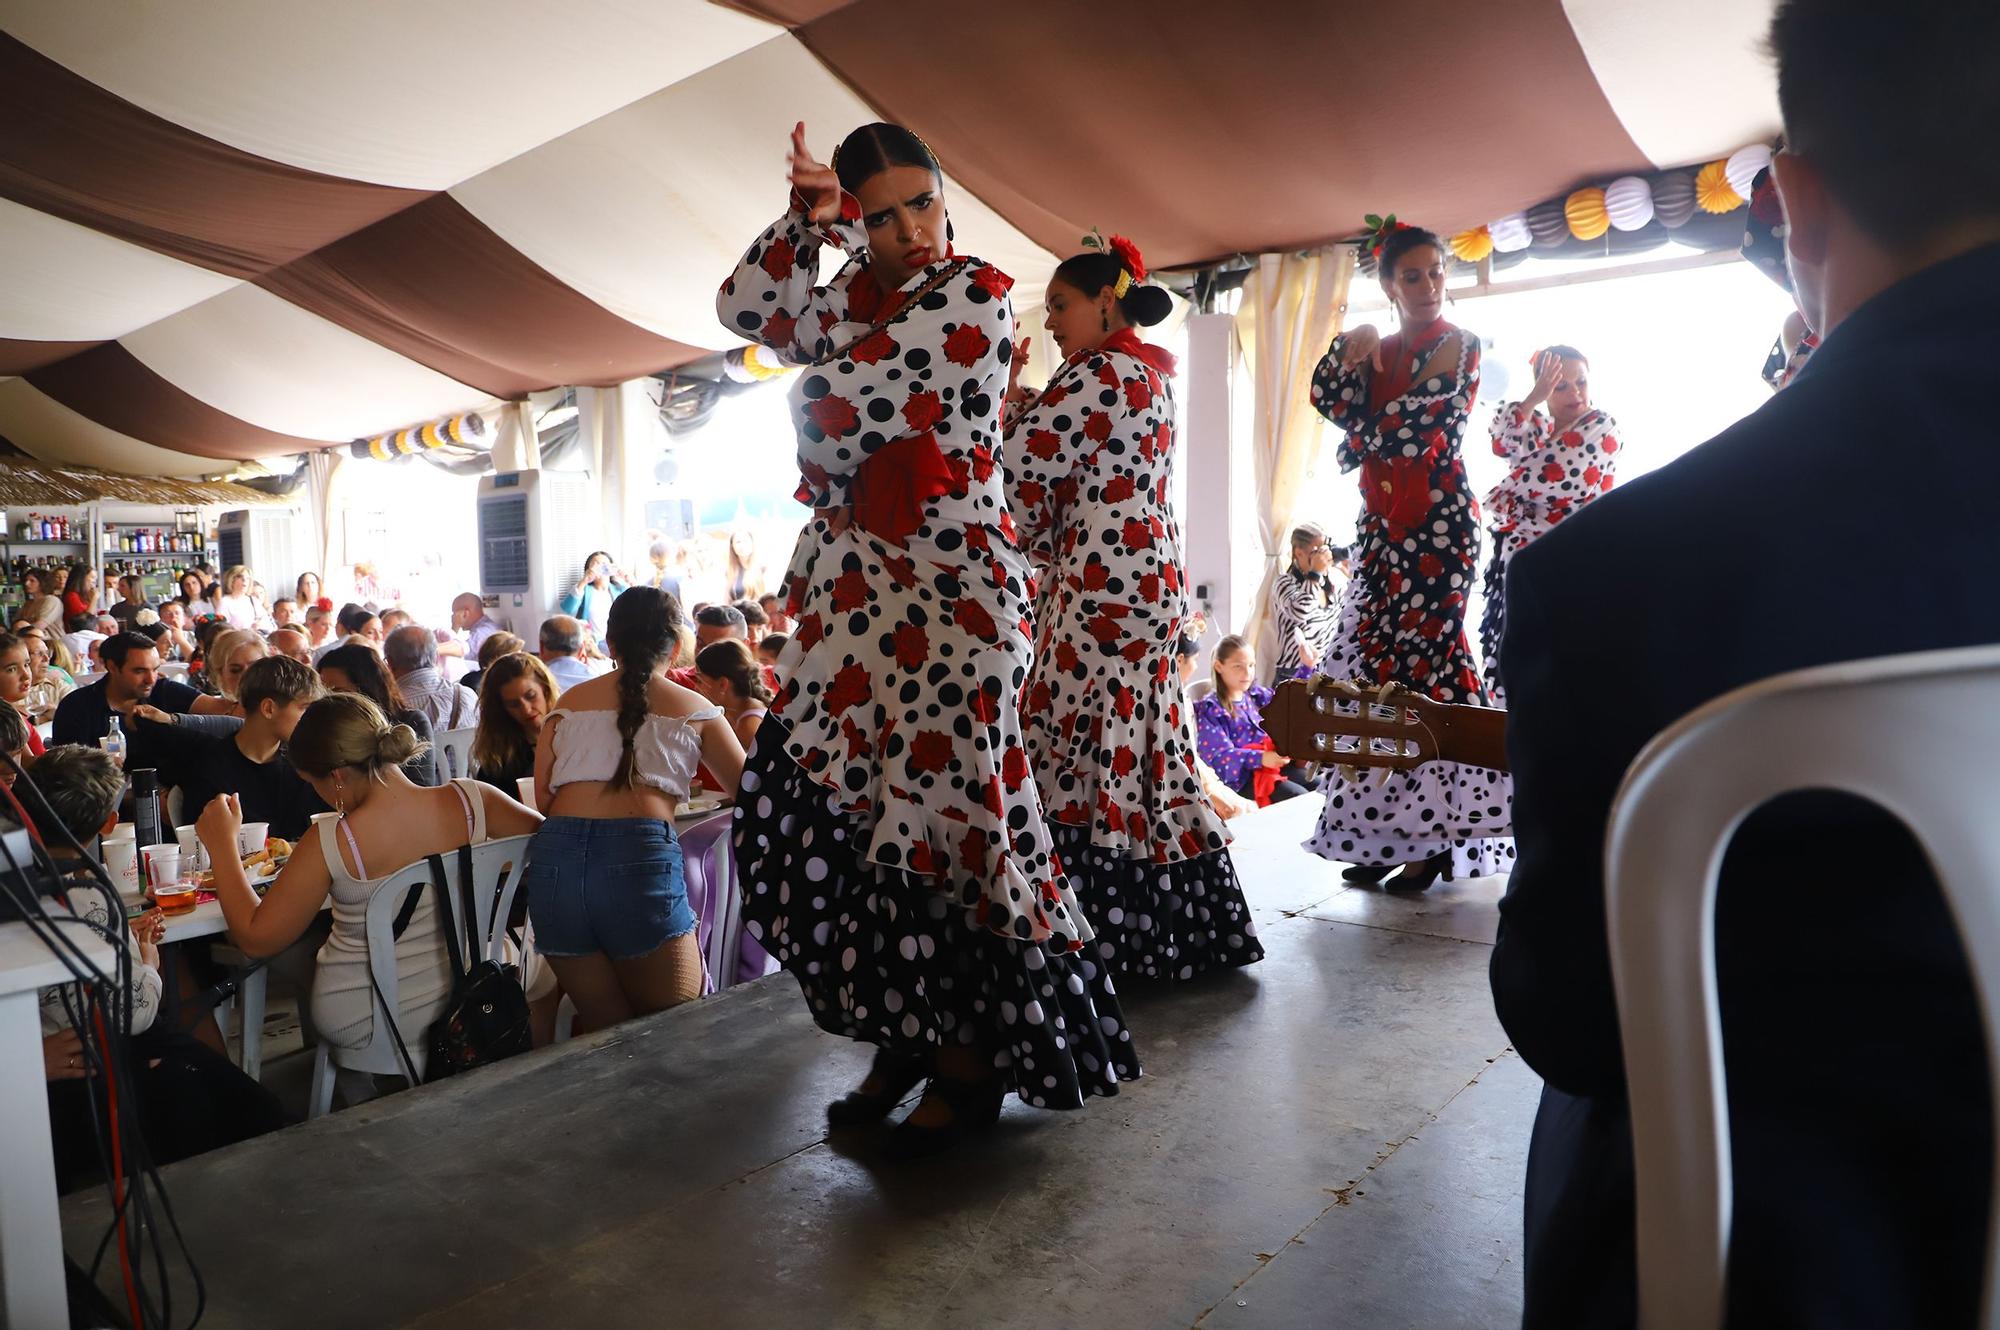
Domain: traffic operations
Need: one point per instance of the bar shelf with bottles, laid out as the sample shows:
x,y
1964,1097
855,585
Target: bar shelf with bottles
x,y
41,542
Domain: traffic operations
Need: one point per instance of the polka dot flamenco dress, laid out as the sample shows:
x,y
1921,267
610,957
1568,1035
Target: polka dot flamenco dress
x,y
1089,463
1551,476
890,841
1416,552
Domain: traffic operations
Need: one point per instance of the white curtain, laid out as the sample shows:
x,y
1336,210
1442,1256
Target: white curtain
x,y
1292,307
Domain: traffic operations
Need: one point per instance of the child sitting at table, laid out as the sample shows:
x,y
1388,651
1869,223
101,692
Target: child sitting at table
x,y
190,1098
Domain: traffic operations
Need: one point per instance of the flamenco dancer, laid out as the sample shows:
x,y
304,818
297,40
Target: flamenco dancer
x,y
1559,462
1402,406
1089,465
892,847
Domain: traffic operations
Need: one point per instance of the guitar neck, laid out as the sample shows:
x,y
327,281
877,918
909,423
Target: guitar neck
x,y
1476,736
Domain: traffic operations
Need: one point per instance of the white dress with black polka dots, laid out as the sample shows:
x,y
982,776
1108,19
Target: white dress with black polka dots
x,y
889,837
1089,467
1416,553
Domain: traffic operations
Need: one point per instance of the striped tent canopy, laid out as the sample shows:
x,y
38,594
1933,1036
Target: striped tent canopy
x,y
244,228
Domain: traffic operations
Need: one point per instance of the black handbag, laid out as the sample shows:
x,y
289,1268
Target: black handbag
x,y
486,1018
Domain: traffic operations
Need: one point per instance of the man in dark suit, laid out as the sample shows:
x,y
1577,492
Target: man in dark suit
x,y
1860,1107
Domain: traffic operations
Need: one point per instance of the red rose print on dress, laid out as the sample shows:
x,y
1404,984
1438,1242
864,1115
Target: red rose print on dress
x,y
1118,489
851,687
967,345
850,591
780,330
913,646
1096,426
835,416
873,349
973,617
922,410
1044,444
780,257
930,751
1138,394
1138,535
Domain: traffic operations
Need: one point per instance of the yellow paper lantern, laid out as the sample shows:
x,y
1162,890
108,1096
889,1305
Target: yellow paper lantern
x,y
1586,214
1712,189
1471,246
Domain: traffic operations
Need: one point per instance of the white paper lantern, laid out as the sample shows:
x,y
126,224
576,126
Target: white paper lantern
x,y
1629,200
1743,165
1510,234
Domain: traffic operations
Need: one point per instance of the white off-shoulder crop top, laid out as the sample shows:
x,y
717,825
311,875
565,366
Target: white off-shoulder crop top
x,y
665,752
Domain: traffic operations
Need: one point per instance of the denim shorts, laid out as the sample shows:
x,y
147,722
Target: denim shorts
x,y
610,886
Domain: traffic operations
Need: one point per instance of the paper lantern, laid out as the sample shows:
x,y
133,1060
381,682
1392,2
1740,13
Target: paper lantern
x,y
1471,246
1584,212
1712,191
1510,233
1628,201
1673,199
1742,167
1547,224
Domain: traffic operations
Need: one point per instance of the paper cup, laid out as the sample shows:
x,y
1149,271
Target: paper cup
x,y
251,836
526,785
121,861
192,854
163,864
123,831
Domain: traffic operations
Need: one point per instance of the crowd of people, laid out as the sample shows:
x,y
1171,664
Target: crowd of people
x,y
977,789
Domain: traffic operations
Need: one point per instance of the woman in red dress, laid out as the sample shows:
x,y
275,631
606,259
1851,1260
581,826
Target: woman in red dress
x,y
889,835
1402,406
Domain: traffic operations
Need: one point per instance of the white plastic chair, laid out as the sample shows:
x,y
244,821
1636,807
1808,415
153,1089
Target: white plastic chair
x,y
496,876
1915,734
173,669
455,751
1199,689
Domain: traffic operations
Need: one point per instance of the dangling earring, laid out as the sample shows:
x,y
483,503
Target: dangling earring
x,y
1107,320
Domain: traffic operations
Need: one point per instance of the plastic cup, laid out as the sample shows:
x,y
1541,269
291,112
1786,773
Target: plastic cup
x,y
121,861
251,836
176,897
193,856
526,785
163,864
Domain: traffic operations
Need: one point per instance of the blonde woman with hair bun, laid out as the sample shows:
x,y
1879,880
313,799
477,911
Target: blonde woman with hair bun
x,y
353,758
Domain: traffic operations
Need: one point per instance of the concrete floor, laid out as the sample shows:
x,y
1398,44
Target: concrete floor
x,y
1333,1137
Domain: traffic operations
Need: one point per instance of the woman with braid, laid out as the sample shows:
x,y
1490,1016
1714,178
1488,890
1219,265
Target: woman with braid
x,y
605,888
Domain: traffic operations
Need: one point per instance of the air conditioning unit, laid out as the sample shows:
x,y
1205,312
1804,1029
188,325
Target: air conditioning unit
x,y
270,542
535,530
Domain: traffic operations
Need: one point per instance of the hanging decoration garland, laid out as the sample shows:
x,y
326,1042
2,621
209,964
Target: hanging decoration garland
x,y
1472,246
1510,234
1585,214
1742,167
1712,191
1628,202
1673,199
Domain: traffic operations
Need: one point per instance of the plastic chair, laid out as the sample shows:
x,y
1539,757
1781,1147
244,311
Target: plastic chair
x,y
1915,734
455,751
1199,689
711,886
496,877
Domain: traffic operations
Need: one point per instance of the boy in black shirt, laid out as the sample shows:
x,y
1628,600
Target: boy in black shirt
x,y
251,763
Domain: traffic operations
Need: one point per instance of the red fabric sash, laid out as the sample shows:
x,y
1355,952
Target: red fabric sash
x,y
1127,341
893,486
1264,780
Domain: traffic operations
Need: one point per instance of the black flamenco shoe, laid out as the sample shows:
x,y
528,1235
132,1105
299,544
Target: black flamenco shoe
x,y
1367,874
897,1074
974,1108
1419,877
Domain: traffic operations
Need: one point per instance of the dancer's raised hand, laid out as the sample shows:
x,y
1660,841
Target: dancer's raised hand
x,y
1363,343
813,179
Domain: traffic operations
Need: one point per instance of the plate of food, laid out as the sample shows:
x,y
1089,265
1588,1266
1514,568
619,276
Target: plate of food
x,y
263,867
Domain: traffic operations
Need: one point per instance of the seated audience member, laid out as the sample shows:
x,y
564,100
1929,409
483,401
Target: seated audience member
x,y
770,647
250,761
1227,802
355,668
319,627
81,634
15,737
468,616
190,1099
284,613
131,600
229,654
719,623
727,675
131,677
515,698
207,629
393,619
17,676
411,654
355,623
292,644
660,556
755,621
48,685
562,650
776,620
614,762
355,759
491,648
176,641
79,593
1229,730
1849,1020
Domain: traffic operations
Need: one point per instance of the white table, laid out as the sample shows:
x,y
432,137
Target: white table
x,y
32,1288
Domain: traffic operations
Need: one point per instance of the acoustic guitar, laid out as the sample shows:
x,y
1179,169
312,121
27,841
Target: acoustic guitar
x,y
1355,727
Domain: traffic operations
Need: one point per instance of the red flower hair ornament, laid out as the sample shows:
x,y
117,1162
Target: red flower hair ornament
x,y
1131,263
1379,231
